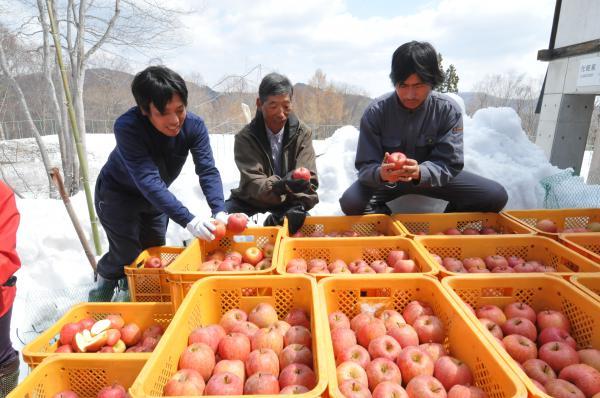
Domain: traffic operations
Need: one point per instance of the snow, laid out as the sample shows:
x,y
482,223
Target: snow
x,y
55,272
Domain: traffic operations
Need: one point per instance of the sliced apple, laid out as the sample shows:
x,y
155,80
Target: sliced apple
x,y
119,346
100,326
80,342
116,321
96,342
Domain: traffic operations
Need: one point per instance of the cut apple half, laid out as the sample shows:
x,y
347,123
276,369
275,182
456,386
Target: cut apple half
x,y
100,326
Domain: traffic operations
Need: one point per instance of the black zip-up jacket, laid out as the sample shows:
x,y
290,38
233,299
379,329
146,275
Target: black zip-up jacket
x,y
252,151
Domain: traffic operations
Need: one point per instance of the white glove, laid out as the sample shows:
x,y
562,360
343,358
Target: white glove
x,y
201,228
222,216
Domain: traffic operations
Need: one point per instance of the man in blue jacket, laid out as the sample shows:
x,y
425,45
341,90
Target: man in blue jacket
x,y
427,127
132,198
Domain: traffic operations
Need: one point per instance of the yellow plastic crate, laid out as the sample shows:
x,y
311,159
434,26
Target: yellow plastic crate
x,y
83,376
364,226
432,223
589,283
209,299
587,244
150,284
143,314
540,292
394,292
350,249
550,252
183,272
563,218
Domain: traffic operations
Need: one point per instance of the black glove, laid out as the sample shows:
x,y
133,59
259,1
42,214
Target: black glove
x,y
296,216
290,185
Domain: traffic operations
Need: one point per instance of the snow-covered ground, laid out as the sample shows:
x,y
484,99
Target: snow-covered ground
x,y
55,273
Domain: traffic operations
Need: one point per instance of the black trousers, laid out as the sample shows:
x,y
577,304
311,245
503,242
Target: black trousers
x,y
467,192
131,224
7,352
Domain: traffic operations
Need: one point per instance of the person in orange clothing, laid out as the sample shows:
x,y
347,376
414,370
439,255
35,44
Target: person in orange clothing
x,y
9,264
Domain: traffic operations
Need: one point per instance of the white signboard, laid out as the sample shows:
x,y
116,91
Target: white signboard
x,y
589,72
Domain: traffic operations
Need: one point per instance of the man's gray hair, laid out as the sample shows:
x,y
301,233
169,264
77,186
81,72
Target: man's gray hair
x,y
274,84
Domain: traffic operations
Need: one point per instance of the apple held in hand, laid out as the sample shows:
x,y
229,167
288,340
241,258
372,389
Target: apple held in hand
x,y
153,262
397,159
237,222
220,229
301,173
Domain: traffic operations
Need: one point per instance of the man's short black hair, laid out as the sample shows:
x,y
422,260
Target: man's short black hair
x,y
157,85
416,57
274,84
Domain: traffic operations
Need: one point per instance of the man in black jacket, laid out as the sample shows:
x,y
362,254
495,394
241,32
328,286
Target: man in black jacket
x,y
267,151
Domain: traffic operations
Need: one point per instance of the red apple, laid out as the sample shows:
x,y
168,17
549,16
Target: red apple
x,y
521,310
263,315
234,346
252,255
351,370
413,362
452,231
298,374
388,389
342,340
546,226
231,318
65,348
86,323
538,370
293,390
405,335
209,335
261,383
338,319
522,326
199,357
375,328
453,265
298,317
559,388
68,331
356,353
113,391
224,384
494,329
434,350
220,229
382,369
519,348
384,347
131,334
590,356
360,320
301,173
586,378
450,372
295,353
470,231
551,318
153,262
262,360
491,312
298,335
234,366
429,328
397,159
246,328
459,391
183,383
555,334
558,355
405,266
514,260
425,387
494,261
415,309
353,389
236,222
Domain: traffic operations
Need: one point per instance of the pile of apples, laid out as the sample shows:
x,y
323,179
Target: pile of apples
x,y
494,263
377,355
114,391
547,353
466,231
335,234
252,259
550,227
397,261
247,353
108,335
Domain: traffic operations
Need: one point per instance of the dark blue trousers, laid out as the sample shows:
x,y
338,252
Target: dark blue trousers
x,y
467,192
131,224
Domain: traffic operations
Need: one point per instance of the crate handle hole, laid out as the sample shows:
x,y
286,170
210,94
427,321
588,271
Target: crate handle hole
x,y
257,292
243,238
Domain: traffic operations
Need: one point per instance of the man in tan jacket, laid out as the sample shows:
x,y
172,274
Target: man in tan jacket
x,y
267,151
